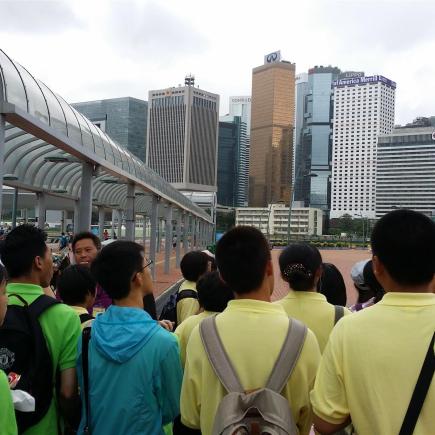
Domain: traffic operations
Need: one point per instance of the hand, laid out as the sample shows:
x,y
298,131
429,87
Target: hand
x,y
167,324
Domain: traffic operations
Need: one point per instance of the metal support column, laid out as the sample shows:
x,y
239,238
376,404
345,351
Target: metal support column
x,y
159,234
168,238
2,158
85,205
119,214
101,219
14,208
113,223
63,221
191,232
26,216
42,210
153,234
130,220
185,233
178,238
76,217
144,232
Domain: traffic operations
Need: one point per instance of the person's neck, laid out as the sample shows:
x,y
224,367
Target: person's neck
x,y
261,294
133,300
396,288
33,280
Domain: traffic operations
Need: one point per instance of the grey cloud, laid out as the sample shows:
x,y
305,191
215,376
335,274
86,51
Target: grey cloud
x,y
44,17
150,30
384,25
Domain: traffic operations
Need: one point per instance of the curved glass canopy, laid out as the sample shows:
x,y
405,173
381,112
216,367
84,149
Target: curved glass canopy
x,y
47,141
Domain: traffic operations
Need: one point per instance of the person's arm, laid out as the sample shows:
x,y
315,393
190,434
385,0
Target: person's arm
x,y
310,357
8,425
69,400
191,389
325,428
329,398
68,389
171,375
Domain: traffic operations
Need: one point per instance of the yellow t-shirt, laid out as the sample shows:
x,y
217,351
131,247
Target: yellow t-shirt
x,y
79,311
371,365
252,333
314,310
188,306
185,329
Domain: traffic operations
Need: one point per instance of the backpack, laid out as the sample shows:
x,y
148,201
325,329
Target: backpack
x,y
23,350
263,411
169,310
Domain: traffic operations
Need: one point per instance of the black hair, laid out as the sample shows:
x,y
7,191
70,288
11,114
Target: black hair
x,y
372,283
404,242
242,255
299,263
86,235
116,265
20,248
193,265
332,286
75,283
213,293
149,305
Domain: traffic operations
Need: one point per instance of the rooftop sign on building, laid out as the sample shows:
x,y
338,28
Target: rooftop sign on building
x,y
363,80
272,57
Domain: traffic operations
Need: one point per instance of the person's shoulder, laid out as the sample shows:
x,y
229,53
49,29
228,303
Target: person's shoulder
x,y
165,340
62,314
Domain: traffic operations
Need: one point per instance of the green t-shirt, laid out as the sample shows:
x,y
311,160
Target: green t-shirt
x,y
61,328
8,425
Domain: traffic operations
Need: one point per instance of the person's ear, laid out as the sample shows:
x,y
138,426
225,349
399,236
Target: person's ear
x,y
38,262
269,268
378,268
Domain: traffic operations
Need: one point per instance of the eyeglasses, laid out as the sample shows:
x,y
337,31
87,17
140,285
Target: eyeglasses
x,y
148,264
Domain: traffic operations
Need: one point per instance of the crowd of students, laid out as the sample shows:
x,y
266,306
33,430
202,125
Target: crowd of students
x,y
236,363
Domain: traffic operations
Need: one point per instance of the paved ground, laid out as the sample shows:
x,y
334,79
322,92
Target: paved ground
x,y
343,260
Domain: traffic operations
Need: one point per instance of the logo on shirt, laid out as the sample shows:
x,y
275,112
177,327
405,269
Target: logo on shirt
x,y
7,358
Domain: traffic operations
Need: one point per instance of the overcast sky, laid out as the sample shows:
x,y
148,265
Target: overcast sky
x,y
94,49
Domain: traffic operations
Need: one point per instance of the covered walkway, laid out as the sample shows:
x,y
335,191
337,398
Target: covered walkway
x,y
49,148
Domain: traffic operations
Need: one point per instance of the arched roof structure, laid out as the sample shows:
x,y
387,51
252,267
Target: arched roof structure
x,y
47,140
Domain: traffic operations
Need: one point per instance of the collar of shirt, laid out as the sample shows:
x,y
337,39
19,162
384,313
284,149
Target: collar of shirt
x,y
24,289
253,305
292,294
408,299
79,310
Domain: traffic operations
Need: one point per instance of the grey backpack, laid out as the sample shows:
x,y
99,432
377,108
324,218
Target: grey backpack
x,y
263,411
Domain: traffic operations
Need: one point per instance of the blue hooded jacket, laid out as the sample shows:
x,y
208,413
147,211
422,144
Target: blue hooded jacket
x,y
135,374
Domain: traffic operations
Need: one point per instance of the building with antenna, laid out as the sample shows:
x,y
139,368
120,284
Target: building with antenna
x,y
182,136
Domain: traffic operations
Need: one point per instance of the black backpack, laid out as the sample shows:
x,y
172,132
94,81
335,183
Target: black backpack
x,y
23,350
169,311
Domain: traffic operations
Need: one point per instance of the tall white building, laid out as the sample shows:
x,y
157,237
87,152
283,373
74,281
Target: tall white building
x,y
405,175
182,136
363,110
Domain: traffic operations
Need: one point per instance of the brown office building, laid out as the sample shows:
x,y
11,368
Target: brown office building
x,y
272,124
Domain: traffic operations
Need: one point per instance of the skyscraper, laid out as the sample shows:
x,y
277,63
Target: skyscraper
x,y
363,110
241,106
405,174
232,178
123,119
314,142
182,136
272,125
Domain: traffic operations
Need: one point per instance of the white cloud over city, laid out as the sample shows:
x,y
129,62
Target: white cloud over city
x,y
96,49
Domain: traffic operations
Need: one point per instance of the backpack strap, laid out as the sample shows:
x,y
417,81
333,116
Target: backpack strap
x,y
420,391
339,313
40,304
85,317
185,294
86,337
288,357
217,355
